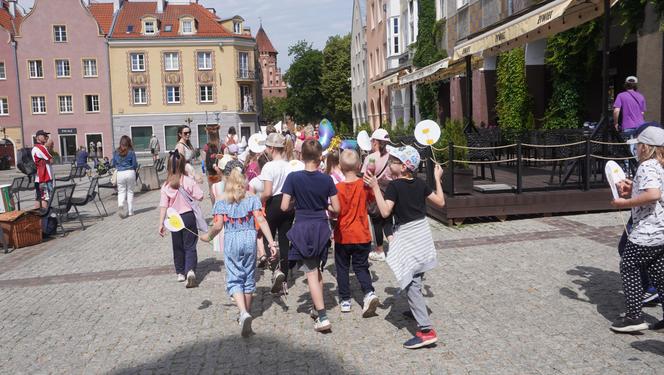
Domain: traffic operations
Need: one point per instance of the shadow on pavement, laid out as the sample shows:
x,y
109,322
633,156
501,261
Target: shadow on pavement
x,y
652,346
601,288
399,315
206,266
253,355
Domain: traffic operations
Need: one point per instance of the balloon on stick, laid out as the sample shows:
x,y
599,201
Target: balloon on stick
x,y
325,133
174,223
364,141
615,174
427,133
256,143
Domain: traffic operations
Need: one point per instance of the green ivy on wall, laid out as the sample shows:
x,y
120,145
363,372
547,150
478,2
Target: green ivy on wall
x,y
426,53
513,102
570,57
632,13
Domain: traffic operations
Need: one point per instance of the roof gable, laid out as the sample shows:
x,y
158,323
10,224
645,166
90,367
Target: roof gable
x,y
103,13
263,42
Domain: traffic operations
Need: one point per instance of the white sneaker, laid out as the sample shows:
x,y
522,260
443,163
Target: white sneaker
x,y
322,325
121,211
370,304
245,324
191,280
345,305
377,256
181,278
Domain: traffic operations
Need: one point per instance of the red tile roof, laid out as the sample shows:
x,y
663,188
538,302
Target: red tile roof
x,y
103,13
207,24
6,21
263,42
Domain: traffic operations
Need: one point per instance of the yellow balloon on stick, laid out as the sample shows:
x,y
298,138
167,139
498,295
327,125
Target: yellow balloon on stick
x,y
174,223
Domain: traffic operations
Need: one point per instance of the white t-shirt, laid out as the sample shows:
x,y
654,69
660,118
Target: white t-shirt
x,y
256,185
275,171
648,228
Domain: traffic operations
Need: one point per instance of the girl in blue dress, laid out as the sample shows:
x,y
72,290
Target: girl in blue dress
x,y
239,212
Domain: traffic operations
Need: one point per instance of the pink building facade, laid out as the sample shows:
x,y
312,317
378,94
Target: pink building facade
x,y
378,96
63,67
10,113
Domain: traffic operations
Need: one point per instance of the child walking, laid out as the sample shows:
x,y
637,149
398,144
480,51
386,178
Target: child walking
x,y
412,252
310,235
352,238
645,243
239,212
177,192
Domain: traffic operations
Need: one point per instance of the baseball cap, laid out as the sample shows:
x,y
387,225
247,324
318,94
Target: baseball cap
x,y
651,135
232,149
631,79
275,140
408,155
232,164
380,134
41,132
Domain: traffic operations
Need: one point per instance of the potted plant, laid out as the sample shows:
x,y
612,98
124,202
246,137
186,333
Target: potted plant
x,y
453,131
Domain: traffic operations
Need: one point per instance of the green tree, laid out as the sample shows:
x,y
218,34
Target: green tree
x,y
335,84
427,53
305,103
274,109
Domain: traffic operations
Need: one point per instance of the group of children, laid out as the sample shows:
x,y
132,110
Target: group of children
x,y
293,208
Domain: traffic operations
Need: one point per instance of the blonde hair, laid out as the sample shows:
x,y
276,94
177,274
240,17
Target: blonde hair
x,y
651,152
349,161
235,188
289,148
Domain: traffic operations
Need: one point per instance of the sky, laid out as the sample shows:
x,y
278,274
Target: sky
x,y
284,21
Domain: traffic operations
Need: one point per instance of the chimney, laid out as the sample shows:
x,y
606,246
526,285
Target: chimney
x,y
12,8
160,6
116,5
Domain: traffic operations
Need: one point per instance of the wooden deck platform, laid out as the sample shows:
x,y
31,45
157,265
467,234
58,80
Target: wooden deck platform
x,y
539,196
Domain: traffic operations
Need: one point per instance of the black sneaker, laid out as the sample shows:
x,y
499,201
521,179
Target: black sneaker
x,y
650,299
278,279
626,325
657,326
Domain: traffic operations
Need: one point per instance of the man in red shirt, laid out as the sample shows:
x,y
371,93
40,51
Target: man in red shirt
x,y
43,159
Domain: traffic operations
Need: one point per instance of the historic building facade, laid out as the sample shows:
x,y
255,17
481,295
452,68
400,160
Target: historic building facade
x,y
10,106
175,63
63,73
377,93
273,82
358,61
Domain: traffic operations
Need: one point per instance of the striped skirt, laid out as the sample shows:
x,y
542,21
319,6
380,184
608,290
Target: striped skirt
x,y
411,251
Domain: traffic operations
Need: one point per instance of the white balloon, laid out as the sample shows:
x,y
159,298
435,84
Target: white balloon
x,y
614,174
256,143
427,132
364,141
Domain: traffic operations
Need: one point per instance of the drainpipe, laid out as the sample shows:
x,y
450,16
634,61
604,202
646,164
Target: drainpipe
x,y
18,89
110,93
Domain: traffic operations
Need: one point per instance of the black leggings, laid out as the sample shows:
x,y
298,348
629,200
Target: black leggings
x,y
280,223
382,225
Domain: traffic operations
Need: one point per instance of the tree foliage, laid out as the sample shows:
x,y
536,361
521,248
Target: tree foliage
x,y
274,109
305,101
632,13
426,53
513,102
335,83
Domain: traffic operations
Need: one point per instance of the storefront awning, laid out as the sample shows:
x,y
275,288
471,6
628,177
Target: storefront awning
x,y
421,75
388,81
547,20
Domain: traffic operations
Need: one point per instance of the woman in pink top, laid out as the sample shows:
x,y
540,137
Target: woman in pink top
x,y
174,193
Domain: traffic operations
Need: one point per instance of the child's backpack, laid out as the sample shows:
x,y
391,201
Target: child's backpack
x,y
24,161
209,160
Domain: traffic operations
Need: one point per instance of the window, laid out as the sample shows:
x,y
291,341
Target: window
x,y
92,103
173,94
171,136
65,104
89,68
3,73
149,27
4,107
187,27
62,69
244,64
395,29
206,94
396,44
168,28
237,27
171,61
60,33
140,95
137,62
36,69
395,35
38,104
204,60
140,137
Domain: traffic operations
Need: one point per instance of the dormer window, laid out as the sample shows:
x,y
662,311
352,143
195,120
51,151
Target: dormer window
x,y
150,26
187,26
237,27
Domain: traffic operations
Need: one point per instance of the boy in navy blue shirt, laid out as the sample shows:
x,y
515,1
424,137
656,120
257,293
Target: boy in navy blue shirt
x,y
310,235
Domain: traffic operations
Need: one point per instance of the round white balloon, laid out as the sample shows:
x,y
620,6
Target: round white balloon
x,y
256,143
364,141
427,132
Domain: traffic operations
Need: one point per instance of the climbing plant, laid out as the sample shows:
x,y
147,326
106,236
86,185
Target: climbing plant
x,y
426,53
513,102
632,13
570,57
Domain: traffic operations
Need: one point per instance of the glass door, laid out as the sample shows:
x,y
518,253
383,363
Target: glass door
x,y
67,148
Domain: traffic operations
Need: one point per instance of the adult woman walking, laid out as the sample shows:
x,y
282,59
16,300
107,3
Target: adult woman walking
x,y
185,148
212,151
124,161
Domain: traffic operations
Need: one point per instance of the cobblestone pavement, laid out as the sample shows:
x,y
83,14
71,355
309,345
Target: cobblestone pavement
x,y
531,296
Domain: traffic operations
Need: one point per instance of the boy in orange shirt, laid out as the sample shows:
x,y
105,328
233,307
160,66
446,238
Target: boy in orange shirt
x,y
352,237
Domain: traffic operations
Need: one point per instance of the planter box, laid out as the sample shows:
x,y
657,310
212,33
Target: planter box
x,y
463,181
21,229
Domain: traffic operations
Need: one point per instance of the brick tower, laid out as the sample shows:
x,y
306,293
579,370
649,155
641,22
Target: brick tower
x,y
273,84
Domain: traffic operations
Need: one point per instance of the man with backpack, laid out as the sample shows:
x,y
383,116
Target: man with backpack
x,y
629,109
44,177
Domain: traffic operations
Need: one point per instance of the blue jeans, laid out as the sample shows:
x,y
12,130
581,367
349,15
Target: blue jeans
x,y
358,255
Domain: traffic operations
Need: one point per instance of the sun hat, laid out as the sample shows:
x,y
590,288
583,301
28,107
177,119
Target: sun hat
x,y
256,143
221,163
232,164
232,149
651,135
380,134
408,155
275,140
631,79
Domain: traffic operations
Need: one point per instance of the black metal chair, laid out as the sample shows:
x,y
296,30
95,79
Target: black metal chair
x,y
477,140
90,197
159,164
60,203
74,172
15,190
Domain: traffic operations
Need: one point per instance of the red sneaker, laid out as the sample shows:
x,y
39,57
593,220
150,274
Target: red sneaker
x,y
421,339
